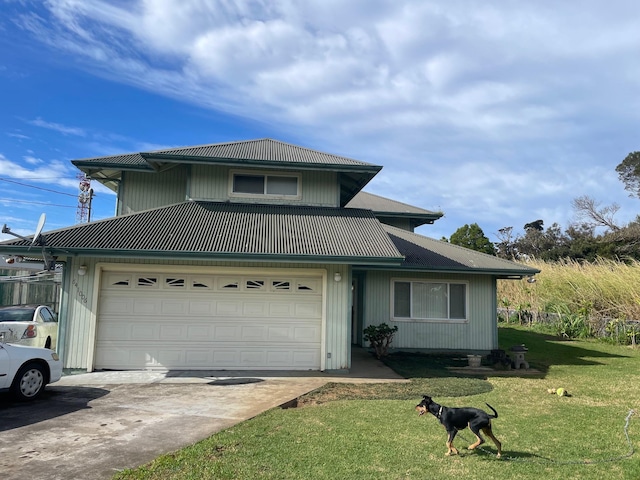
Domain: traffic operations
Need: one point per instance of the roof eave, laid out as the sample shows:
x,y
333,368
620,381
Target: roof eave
x,y
499,273
166,158
111,166
215,256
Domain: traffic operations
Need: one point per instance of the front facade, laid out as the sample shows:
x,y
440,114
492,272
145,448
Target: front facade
x,y
258,255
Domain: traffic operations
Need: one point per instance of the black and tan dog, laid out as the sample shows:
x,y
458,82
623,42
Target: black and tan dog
x,y
454,419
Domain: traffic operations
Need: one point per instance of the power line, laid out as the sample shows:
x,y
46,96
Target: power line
x,y
11,200
37,188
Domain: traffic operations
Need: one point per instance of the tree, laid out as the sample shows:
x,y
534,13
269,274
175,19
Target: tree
x,y
629,173
535,225
472,236
586,208
505,247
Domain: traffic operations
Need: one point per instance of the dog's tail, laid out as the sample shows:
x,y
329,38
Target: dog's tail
x,y
495,414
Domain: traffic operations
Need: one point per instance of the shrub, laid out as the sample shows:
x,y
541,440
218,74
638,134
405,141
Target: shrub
x,y
380,337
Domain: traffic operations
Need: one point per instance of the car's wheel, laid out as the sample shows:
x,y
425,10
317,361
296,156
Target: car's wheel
x,y
29,382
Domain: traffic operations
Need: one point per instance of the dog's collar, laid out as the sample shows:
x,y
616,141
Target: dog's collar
x,y
439,413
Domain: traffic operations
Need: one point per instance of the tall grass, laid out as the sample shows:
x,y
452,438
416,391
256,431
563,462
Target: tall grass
x,y
603,289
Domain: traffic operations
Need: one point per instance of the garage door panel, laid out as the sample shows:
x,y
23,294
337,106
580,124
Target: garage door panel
x,y
198,332
198,357
306,334
303,358
142,332
249,358
255,309
280,309
225,358
167,357
228,308
308,310
170,332
146,307
226,332
174,307
280,333
201,308
113,331
110,305
121,358
171,321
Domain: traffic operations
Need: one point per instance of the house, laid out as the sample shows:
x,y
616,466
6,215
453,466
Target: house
x,y
258,255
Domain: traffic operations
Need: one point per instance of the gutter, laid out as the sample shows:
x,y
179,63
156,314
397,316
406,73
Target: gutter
x,y
214,256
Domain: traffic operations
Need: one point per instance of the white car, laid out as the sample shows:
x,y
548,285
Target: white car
x,y
33,325
25,371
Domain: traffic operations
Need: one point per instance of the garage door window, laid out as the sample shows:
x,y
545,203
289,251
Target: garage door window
x,y
175,282
280,285
148,282
255,284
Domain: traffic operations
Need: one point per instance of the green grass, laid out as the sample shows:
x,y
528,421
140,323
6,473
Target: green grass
x,y
373,432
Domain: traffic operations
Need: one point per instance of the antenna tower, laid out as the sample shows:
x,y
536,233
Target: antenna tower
x,y
83,212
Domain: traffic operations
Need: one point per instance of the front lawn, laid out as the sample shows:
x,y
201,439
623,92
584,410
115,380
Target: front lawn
x,y
373,432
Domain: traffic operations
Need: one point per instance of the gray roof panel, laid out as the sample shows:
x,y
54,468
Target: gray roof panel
x,y
261,150
386,205
215,230
128,160
424,253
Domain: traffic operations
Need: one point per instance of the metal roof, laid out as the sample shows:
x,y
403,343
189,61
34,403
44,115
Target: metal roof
x,y
387,208
426,254
353,175
228,231
260,150
212,230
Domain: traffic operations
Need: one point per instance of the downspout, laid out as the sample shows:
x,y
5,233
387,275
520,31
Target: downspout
x,y
63,313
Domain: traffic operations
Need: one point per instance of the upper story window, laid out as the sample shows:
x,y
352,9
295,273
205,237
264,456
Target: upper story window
x,y
265,184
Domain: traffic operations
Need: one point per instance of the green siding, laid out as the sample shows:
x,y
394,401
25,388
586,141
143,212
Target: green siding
x,y
478,334
211,183
143,191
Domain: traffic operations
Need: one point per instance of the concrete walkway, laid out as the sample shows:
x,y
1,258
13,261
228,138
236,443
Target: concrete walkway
x,y
365,368
91,425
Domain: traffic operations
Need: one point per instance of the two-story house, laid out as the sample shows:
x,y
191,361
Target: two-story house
x,y
259,255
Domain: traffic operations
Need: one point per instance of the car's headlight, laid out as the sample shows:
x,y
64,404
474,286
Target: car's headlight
x,y
55,356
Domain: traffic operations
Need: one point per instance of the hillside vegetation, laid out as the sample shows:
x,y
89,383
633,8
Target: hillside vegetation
x,y
587,299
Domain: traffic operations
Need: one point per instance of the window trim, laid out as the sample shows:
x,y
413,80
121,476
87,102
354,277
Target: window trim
x,y
266,175
413,319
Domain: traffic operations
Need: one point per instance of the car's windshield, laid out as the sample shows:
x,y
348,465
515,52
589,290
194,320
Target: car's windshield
x,y
16,314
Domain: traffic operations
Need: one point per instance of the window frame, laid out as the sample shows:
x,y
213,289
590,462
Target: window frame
x,y
265,176
416,319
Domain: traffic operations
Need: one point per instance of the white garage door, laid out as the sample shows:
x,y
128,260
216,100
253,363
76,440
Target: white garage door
x,y
190,321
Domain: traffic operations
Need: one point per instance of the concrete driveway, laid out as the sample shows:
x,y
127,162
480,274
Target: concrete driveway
x,y
92,425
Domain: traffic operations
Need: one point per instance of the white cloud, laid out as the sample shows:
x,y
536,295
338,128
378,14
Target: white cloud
x,y
496,111
63,129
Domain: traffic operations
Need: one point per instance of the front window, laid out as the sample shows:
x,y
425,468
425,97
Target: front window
x,y
429,300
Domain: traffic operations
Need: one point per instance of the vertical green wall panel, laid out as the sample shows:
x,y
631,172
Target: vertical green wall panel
x,y
478,334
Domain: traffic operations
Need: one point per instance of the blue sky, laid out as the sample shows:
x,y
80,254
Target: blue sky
x,y
497,113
